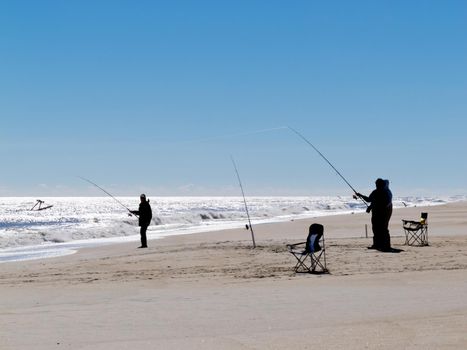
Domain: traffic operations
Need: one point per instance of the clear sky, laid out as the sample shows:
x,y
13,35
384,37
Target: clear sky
x,y
155,96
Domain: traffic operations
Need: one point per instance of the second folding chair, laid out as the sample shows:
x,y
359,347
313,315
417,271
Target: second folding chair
x,y
416,232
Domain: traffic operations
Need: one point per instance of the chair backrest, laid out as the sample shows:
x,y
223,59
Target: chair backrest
x,y
424,218
315,233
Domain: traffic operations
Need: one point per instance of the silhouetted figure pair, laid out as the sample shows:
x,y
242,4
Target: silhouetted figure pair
x,y
145,215
381,211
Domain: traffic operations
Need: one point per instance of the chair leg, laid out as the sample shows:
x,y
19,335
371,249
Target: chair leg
x,y
319,264
310,263
301,263
416,238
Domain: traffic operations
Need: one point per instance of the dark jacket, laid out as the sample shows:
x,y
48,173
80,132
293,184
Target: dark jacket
x,y
380,200
145,213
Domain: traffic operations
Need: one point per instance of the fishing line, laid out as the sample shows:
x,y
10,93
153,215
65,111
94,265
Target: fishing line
x,y
244,201
332,166
246,133
99,187
251,132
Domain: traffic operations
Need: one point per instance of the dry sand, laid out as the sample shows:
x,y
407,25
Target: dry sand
x,y
212,291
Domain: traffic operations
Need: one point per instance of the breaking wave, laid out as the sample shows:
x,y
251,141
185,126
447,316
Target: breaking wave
x,y
77,219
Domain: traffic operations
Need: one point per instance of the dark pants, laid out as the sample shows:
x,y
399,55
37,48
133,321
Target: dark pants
x,y
142,232
380,228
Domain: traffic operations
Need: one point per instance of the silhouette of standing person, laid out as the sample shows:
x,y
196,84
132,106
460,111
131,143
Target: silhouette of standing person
x,y
388,209
381,211
145,215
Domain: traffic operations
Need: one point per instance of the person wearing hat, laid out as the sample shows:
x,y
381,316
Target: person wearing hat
x,y
381,211
145,215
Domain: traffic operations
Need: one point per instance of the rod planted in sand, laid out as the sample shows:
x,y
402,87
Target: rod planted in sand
x,y
244,201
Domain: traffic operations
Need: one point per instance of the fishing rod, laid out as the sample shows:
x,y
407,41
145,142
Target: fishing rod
x,y
332,166
244,201
99,187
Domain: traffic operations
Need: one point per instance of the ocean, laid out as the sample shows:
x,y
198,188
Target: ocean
x,y
75,222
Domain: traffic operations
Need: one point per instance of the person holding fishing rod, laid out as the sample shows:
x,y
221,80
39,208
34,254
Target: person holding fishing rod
x,y
381,205
381,211
144,213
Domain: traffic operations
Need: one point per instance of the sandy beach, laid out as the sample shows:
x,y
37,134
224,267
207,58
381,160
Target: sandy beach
x,y
213,291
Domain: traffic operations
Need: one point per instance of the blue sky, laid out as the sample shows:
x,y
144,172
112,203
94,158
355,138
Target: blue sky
x,y
155,96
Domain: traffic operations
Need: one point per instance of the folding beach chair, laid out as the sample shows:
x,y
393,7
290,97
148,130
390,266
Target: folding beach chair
x,y
416,232
310,253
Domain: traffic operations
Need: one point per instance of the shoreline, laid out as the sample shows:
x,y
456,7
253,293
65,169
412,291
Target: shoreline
x,y
54,250
445,223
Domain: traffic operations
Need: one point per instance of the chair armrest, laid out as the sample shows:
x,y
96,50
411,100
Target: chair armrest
x,y
296,244
410,222
411,225
293,246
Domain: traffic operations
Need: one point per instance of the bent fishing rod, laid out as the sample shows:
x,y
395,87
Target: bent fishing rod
x,y
244,201
332,166
99,187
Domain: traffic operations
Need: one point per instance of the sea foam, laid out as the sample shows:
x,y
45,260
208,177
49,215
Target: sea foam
x,y
80,221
